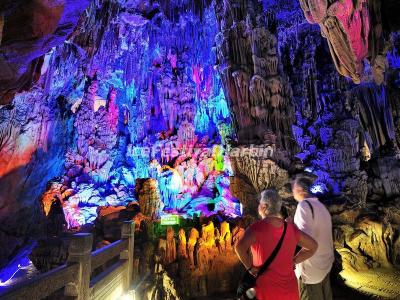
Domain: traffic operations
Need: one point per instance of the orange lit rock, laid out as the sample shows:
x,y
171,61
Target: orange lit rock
x,y
149,199
207,234
226,236
194,235
202,255
49,197
139,218
182,251
67,193
170,255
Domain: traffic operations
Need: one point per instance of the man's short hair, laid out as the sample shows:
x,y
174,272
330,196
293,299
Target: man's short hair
x,y
304,183
272,199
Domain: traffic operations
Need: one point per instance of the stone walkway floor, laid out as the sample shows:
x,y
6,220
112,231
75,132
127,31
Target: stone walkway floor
x,y
340,293
385,282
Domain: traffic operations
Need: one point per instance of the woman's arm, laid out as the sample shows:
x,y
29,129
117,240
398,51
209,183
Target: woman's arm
x,y
242,249
308,248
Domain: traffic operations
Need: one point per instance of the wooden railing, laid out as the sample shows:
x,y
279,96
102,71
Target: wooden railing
x,y
78,277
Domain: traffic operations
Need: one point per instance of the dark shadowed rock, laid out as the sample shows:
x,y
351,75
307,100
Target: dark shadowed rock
x,y
30,30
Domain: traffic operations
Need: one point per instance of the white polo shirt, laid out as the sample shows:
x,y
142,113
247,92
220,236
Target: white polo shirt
x,y
315,269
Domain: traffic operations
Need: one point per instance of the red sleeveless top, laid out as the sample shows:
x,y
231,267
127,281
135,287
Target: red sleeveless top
x,y
279,281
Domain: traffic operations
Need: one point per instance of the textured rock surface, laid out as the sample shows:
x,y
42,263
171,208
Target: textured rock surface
x,y
256,172
34,138
29,31
355,31
259,97
247,60
149,199
346,26
337,138
206,271
367,243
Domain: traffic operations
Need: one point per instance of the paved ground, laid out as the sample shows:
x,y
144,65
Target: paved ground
x,y
340,293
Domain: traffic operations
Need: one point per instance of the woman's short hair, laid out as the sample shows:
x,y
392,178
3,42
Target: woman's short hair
x,y
272,199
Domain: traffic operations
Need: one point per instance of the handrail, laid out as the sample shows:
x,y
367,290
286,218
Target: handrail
x,y
109,272
75,276
42,285
102,255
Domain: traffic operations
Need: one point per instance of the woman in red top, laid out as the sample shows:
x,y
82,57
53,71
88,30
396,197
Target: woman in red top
x,y
278,282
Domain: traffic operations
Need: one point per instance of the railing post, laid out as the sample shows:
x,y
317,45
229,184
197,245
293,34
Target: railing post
x,y
79,252
128,231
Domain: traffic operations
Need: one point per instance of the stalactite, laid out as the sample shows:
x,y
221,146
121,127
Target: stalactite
x,y
375,116
247,58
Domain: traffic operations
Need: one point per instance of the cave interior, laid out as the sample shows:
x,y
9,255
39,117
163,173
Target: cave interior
x,y
176,114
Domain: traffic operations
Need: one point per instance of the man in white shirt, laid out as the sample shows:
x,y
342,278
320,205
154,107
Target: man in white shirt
x,y
313,218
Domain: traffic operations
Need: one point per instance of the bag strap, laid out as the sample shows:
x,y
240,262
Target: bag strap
x,y
271,258
311,207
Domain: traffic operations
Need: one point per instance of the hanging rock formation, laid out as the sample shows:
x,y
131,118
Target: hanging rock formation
x,y
247,60
259,96
355,31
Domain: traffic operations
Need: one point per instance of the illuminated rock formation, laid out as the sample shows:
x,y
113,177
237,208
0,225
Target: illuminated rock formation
x,y
50,196
226,236
207,268
33,144
45,25
128,120
354,31
170,254
149,199
248,63
182,246
259,97
193,236
208,235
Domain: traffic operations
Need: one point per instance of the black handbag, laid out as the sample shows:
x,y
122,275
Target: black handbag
x,y
248,281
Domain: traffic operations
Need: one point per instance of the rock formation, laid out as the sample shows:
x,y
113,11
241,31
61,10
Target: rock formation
x,y
259,96
149,199
354,32
344,155
207,269
45,25
247,60
34,138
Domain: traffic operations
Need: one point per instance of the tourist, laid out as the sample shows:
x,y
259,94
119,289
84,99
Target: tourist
x,y
279,280
313,218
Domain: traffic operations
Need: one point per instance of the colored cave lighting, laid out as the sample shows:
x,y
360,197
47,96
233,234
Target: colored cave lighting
x,y
318,188
10,271
393,59
308,169
154,110
18,263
